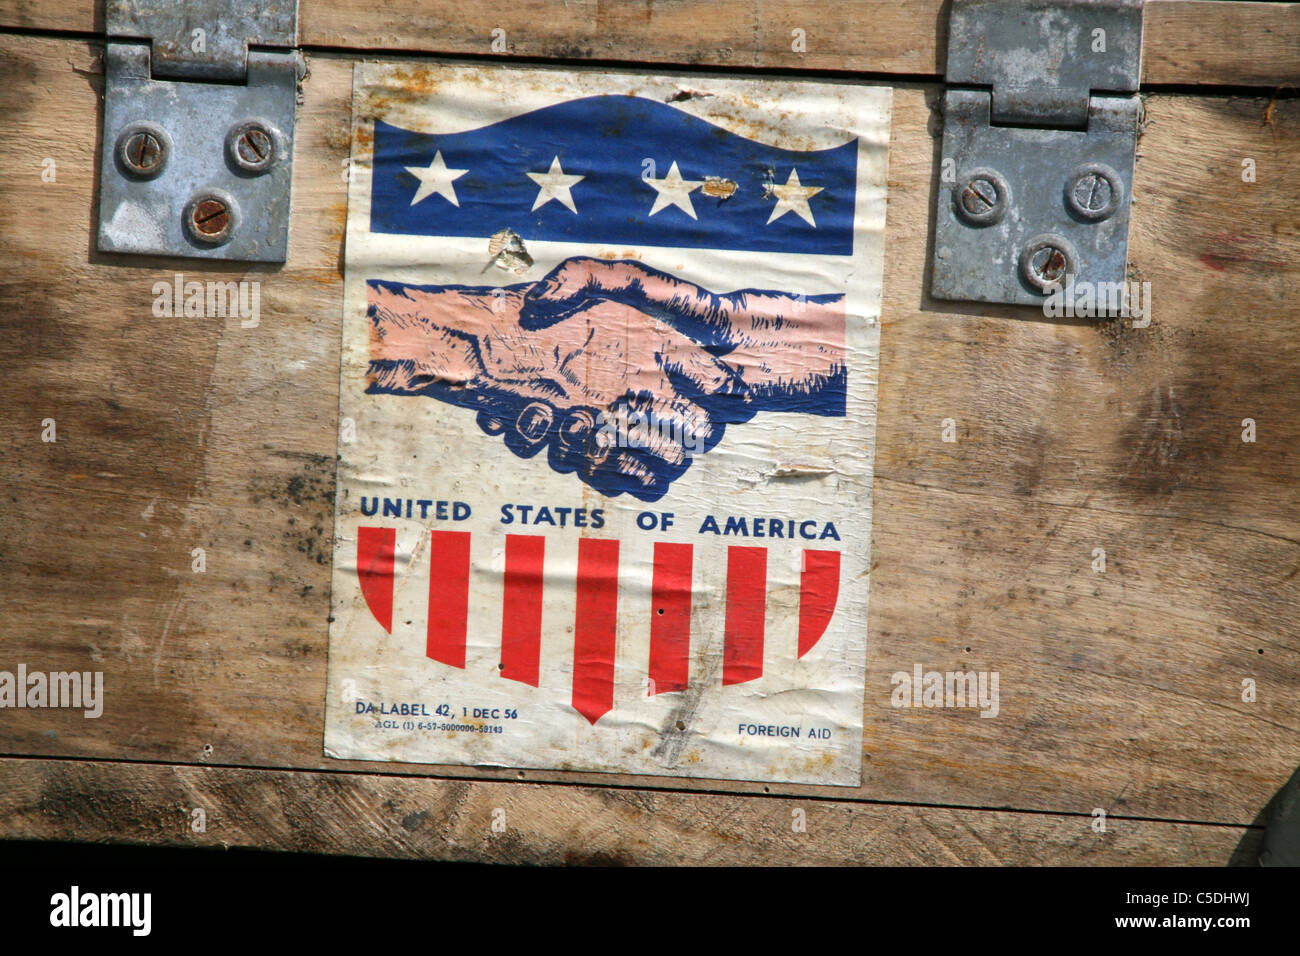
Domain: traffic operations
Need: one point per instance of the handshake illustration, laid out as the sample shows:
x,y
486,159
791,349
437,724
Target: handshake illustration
x,y
622,373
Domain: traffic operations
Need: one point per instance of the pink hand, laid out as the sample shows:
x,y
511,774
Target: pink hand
x,y
604,383
778,344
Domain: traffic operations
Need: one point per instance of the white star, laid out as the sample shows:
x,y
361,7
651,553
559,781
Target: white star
x,y
792,197
674,191
436,179
555,185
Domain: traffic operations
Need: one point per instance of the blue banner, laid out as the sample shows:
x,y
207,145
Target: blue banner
x,y
617,170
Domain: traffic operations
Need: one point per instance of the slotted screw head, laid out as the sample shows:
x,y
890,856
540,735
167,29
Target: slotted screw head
x,y
143,150
979,196
1046,261
1093,192
210,218
982,196
252,146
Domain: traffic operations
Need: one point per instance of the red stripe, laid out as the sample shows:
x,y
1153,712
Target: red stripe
x,y
742,653
521,621
448,596
594,627
375,550
670,618
819,589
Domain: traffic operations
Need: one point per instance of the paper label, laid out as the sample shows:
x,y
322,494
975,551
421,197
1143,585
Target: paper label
x,y
608,404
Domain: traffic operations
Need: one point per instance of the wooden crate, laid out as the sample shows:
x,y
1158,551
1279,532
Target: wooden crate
x,y
1121,691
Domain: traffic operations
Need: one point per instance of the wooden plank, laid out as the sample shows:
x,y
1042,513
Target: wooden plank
x,y
1079,434
1119,690
1185,41
403,817
1208,41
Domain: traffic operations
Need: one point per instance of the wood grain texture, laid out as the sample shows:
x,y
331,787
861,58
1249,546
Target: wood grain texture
x,y
1210,41
401,817
1185,41
1119,690
1080,434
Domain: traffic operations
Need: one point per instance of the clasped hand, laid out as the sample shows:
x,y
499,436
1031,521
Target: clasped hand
x,y
622,373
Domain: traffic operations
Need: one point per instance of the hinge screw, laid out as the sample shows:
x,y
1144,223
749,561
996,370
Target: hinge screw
x,y
1046,261
1093,192
979,197
982,197
251,146
142,149
210,218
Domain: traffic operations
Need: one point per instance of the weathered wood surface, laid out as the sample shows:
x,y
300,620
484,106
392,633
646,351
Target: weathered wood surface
x,y
386,816
1119,690
1185,41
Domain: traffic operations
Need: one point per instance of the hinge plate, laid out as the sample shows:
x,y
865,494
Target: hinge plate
x,y
197,145
1040,130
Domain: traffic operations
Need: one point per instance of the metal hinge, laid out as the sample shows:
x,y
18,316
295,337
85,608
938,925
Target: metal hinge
x,y
199,106
1040,130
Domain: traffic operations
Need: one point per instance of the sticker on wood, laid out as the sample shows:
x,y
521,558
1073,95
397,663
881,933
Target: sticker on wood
x,y
608,404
